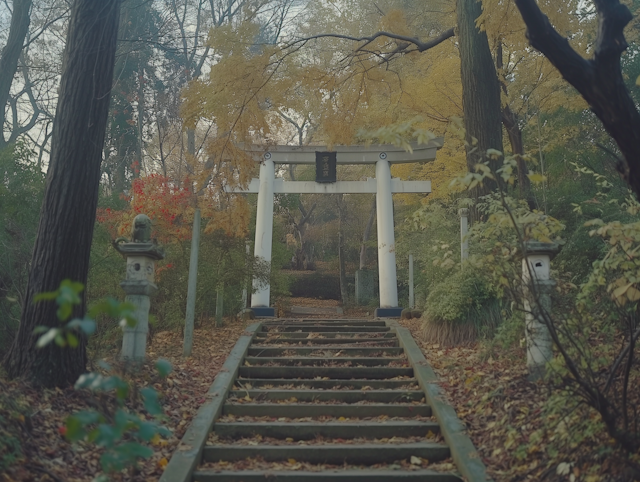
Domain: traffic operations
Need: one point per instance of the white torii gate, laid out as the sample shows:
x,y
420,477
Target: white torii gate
x,y
383,186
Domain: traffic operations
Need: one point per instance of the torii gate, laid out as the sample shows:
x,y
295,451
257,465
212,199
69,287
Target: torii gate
x,y
383,186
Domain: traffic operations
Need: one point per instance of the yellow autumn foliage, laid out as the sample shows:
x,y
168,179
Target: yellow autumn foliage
x,y
328,90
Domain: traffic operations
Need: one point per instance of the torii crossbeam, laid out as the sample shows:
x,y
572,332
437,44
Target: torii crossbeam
x,y
383,186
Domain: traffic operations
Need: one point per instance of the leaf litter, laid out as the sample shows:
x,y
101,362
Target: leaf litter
x,y
46,454
214,439
258,463
504,415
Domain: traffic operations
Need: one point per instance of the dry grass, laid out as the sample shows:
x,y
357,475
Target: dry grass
x,y
479,324
448,334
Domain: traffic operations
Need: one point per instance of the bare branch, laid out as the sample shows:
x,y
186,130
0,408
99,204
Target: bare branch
x,y
599,80
620,358
33,38
28,89
196,36
20,20
402,47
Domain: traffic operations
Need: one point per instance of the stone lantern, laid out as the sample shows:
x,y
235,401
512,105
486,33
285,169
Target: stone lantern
x,y
537,288
141,254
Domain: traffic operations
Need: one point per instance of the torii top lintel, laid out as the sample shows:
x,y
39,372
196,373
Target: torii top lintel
x,y
351,154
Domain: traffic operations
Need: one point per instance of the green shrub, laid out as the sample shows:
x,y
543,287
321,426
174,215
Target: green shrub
x,y
123,433
510,334
432,235
10,449
12,414
21,191
460,309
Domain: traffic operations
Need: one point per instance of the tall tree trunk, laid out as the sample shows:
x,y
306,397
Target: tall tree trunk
x,y
20,20
120,168
366,234
304,254
141,108
510,123
68,211
191,143
480,90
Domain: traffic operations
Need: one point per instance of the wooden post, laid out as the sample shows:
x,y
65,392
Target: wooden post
x,y
219,306
220,292
464,230
191,287
412,303
245,295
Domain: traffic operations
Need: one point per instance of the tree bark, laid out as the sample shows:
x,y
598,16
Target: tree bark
x,y
599,80
68,211
191,142
303,255
480,90
510,123
120,167
141,109
20,20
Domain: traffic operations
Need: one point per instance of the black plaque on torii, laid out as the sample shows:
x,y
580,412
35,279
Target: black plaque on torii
x,y
326,166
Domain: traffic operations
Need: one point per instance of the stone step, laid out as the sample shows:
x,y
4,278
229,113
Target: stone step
x,y
325,334
344,396
316,310
328,475
326,384
324,328
330,411
342,373
328,341
328,454
298,410
314,361
332,430
306,351
316,321
331,320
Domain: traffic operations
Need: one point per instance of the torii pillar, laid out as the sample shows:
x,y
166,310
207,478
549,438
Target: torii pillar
x,y
387,279
264,235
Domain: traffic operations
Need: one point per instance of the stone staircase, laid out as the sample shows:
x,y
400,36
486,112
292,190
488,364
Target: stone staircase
x,y
334,400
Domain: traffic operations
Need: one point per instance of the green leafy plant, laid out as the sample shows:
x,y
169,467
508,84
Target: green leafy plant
x,y
119,430
67,296
431,234
12,416
21,191
595,336
461,308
